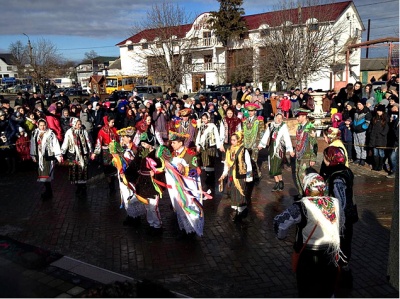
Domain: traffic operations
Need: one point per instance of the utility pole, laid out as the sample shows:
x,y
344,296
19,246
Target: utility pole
x,y
368,31
31,61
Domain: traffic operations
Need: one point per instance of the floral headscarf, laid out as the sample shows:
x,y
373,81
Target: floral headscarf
x,y
334,155
332,134
314,185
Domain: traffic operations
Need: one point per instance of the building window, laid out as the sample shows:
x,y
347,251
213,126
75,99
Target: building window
x,y
207,62
145,46
158,45
9,68
313,27
265,32
244,35
287,29
206,38
130,48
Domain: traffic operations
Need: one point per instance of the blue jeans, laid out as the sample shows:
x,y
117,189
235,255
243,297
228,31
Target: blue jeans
x,y
394,160
379,152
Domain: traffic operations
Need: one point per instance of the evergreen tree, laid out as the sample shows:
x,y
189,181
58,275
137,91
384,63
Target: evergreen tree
x,y
228,24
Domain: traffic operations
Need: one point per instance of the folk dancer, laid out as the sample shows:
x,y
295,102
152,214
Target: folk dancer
x,y
186,126
253,130
182,174
45,150
207,143
107,134
318,219
277,138
123,160
78,148
150,181
306,148
238,169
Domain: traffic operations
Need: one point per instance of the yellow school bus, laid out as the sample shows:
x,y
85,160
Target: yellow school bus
x,y
126,83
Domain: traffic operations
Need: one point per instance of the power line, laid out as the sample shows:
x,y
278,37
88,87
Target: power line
x,y
368,4
101,47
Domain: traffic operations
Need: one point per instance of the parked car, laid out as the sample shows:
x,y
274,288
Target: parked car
x,y
213,94
223,88
149,92
14,89
77,94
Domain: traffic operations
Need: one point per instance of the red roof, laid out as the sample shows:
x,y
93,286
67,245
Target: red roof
x,y
151,34
323,13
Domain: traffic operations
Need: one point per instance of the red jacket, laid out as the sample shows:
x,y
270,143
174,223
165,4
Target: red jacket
x,y
54,123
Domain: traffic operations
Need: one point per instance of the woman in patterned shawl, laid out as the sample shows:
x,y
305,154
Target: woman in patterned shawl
x,y
78,148
319,219
45,149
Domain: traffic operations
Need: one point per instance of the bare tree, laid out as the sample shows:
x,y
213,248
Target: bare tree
x,y
298,43
166,44
240,65
91,55
41,62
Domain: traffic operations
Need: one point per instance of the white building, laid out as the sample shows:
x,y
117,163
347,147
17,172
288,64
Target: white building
x,y
7,68
208,56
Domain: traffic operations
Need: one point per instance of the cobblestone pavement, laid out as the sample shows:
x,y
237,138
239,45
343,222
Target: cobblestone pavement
x,y
230,260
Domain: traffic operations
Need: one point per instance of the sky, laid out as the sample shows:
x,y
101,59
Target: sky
x,y
76,27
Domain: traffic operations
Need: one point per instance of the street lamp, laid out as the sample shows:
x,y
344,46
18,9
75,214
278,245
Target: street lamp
x,y
30,60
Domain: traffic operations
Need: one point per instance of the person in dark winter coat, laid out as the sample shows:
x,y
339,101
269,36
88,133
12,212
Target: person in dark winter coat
x,y
347,136
377,132
345,94
393,140
362,119
64,120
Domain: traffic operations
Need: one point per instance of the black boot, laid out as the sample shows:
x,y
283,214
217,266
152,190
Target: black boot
x,y
78,189
362,162
375,163
84,190
380,164
276,187
281,185
48,193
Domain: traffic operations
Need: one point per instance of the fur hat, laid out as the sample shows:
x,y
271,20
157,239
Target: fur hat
x,y
185,112
381,108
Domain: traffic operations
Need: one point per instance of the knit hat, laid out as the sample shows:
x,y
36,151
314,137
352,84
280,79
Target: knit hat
x,y
351,104
52,108
158,105
371,102
363,101
384,102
